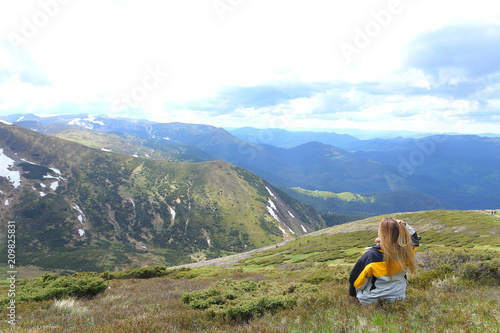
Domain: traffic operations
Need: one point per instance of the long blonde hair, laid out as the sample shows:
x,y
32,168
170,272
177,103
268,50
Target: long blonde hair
x,y
395,241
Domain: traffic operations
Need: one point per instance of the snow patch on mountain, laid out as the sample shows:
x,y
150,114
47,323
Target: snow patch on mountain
x,y
5,164
271,203
57,171
54,186
25,160
172,211
87,122
270,193
5,122
291,214
273,213
81,232
59,176
283,231
76,121
92,119
81,216
304,229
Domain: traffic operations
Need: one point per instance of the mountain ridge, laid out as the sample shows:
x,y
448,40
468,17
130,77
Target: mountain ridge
x,y
436,166
84,203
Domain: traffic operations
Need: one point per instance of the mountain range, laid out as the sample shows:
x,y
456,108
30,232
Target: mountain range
x,y
460,171
79,208
135,192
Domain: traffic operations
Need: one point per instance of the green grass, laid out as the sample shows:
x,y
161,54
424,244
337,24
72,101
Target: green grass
x,y
344,196
242,300
291,288
308,297
50,286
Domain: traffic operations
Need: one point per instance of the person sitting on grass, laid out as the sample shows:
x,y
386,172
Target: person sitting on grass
x,y
380,273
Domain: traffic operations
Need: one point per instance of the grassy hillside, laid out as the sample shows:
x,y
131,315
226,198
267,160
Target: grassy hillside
x,y
131,145
440,229
81,209
456,288
338,208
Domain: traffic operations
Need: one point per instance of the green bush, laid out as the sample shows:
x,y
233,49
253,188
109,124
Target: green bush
x,y
144,273
473,266
483,272
246,299
150,272
50,286
424,279
274,260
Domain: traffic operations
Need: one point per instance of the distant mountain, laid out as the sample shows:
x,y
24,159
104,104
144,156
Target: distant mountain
x,y
79,208
288,139
318,166
467,165
461,170
311,165
132,145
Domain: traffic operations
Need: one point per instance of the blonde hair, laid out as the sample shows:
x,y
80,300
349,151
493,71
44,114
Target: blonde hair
x,y
395,241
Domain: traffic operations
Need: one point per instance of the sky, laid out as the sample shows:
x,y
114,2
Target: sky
x,y
407,65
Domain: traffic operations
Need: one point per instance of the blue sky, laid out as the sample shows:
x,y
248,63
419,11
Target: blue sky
x,y
318,64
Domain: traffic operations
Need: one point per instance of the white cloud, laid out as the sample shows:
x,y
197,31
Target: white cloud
x,y
90,53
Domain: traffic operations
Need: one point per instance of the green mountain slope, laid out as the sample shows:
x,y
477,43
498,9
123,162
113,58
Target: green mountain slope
x,y
441,230
131,145
78,208
366,204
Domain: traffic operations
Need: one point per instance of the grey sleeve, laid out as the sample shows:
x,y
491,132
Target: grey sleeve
x,y
415,239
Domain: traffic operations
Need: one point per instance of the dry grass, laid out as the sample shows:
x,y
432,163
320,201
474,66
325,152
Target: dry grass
x,y
456,289
445,304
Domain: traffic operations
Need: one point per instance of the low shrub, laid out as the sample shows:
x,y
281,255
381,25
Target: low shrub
x,y
50,286
425,278
246,299
483,272
150,272
473,266
273,260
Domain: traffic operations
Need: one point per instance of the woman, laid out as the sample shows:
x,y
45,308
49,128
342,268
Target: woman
x,y
380,272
